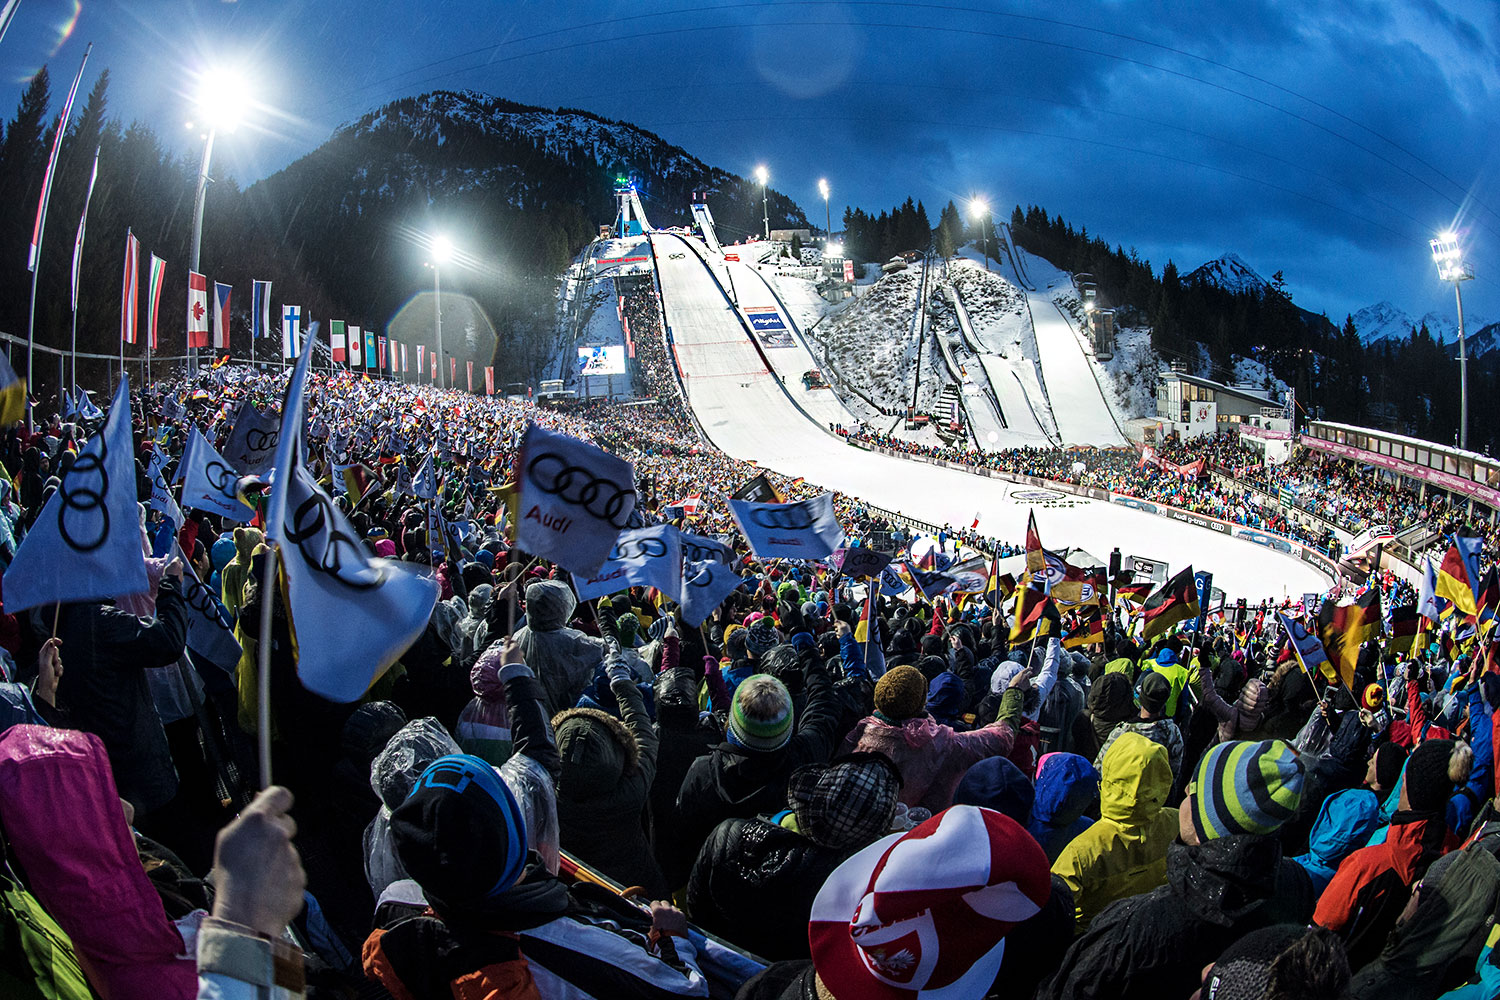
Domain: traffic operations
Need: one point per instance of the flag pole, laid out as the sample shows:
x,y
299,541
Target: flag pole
x,y
263,659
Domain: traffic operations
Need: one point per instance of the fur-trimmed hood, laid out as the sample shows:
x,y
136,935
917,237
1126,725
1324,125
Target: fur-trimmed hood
x,y
597,751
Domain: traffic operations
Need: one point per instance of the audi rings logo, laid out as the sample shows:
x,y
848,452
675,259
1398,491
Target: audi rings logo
x,y
83,517
197,597
1036,496
603,498
326,548
640,548
786,517
221,477
693,552
258,440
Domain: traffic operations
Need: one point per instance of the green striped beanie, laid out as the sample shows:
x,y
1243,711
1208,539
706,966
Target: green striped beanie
x,y
1245,787
761,716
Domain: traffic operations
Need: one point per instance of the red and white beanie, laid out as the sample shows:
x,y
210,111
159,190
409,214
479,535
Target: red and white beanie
x,y
924,914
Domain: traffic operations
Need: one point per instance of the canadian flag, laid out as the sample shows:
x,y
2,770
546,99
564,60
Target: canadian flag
x,y
197,310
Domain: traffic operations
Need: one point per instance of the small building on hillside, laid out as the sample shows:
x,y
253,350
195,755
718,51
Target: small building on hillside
x,y
1192,405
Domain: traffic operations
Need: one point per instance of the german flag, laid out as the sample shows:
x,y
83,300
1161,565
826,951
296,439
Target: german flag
x,y
1036,558
1134,591
1001,586
1489,596
1031,605
862,629
1404,626
1176,601
1345,627
1088,631
1458,578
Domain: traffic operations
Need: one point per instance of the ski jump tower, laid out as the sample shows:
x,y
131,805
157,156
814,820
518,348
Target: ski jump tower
x,y
705,220
630,217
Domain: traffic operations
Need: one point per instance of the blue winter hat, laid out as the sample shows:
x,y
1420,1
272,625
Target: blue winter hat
x,y
804,641
1166,657
486,558
460,834
222,552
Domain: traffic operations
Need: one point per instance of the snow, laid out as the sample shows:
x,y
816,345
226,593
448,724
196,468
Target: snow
x,y
1231,273
746,413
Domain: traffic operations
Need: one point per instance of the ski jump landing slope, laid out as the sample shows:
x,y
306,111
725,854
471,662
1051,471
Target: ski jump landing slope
x,y
746,412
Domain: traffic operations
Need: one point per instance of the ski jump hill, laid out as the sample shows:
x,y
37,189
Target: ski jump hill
x,y
740,358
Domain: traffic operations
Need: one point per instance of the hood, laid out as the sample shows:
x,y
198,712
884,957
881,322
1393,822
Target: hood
x,y
415,745
245,541
484,676
946,697
1112,698
915,733
1066,785
1451,916
1224,880
1135,780
1344,824
676,698
597,751
740,774
549,605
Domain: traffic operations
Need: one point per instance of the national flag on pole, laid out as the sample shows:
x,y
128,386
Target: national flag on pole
x,y
12,394
47,175
153,299
370,351
86,544
1308,649
351,616
83,219
336,340
806,529
1489,595
291,331
867,612
471,375
421,358
1405,623
130,290
221,315
260,309
197,311
1087,631
452,370
1176,601
929,583
1036,560
383,366
1458,576
434,366
576,499
404,368
489,380
1343,629
356,348
1031,608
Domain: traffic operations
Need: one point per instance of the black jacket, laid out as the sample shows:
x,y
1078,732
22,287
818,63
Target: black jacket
x,y
754,884
735,782
1156,944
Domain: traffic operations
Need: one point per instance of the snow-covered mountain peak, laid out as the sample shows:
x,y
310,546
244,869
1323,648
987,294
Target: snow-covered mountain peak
x,y
1231,273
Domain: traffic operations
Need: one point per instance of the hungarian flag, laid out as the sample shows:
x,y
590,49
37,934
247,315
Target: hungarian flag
x,y
1458,578
866,613
197,311
153,299
1036,558
1404,625
1031,607
1176,601
336,340
1344,628
221,315
1088,631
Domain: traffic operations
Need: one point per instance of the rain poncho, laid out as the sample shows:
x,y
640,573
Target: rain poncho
x,y
392,776
564,659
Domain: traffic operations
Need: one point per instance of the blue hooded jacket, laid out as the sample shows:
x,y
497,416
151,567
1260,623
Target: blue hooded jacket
x,y
1344,823
1067,784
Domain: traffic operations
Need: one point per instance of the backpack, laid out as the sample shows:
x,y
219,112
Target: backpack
x,y
37,961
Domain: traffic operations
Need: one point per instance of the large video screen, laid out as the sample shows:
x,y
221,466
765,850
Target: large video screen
x,y
601,360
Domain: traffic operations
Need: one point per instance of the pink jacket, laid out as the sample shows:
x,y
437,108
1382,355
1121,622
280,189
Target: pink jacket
x,y
931,757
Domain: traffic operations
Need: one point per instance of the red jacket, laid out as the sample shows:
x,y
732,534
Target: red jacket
x,y
1400,852
1416,728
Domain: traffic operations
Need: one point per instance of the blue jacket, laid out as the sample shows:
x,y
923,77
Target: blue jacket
x,y
1480,787
1067,785
1344,823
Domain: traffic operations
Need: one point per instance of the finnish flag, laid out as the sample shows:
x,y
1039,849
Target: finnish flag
x,y
291,332
806,529
642,557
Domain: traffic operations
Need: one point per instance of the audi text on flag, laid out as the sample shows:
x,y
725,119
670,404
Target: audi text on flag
x,y
575,500
86,542
806,529
252,441
641,557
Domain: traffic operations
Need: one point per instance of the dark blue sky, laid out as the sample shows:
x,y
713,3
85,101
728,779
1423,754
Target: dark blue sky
x,y
1328,140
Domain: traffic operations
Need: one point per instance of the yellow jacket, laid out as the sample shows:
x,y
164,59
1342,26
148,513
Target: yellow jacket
x,y
1125,853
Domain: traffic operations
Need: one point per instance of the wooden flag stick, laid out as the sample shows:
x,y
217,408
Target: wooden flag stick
x,y
56,613
263,663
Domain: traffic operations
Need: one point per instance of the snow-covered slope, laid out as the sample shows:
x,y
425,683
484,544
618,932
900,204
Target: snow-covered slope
x,y
1382,321
1231,273
1386,321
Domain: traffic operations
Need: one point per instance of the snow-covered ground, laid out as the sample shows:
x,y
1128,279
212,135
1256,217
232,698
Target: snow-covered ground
x,y
746,413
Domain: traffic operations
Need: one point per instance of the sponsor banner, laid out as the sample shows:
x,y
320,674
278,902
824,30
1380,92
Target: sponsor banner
x,y
1485,494
768,325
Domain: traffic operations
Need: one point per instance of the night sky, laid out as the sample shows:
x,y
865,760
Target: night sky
x,y
1327,140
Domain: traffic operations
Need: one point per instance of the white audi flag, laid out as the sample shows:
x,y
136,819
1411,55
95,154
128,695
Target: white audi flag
x,y
806,529
642,557
575,500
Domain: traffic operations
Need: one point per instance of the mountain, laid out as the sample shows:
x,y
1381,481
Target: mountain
x,y
1231,273
1382,321
1484,340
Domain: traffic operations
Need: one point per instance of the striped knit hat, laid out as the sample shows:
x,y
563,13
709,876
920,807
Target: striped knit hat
x,y
760,717
1245,787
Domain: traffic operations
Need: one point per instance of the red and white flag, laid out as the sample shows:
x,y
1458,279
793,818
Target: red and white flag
x,y
471,375
382,355
130,292
356,348
452,370
221,315
434,366
337,341
421,354
489,381
197,310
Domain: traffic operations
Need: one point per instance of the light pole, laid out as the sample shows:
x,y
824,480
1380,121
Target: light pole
x,y
764,176
440,250
1449,258
222,100
827,216
980,209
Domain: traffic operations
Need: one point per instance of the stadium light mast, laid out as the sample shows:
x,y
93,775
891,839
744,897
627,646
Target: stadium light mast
x,y
441,251
222,100
1449,258
980,209
764,176
827,215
